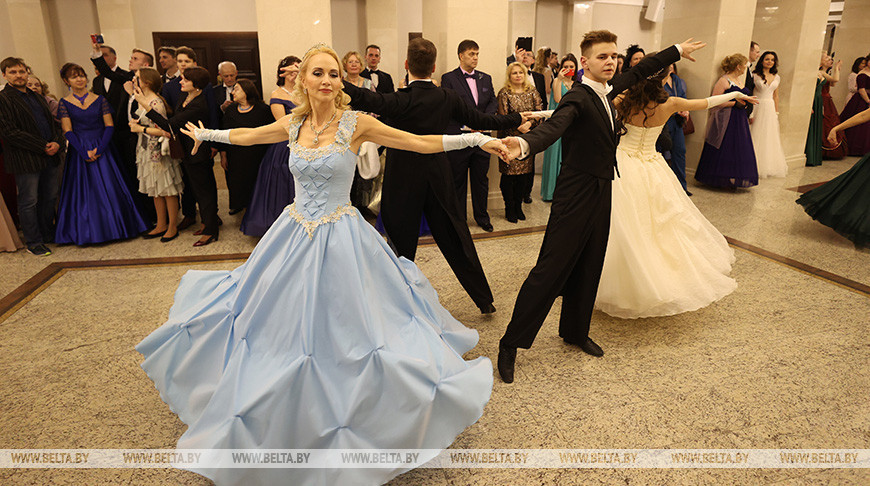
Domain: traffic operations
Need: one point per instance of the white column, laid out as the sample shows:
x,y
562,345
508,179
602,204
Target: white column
x,y
796,32
723,25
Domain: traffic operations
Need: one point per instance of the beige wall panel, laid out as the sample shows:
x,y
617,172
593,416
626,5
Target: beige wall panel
x,y
289,28
348,26
208,16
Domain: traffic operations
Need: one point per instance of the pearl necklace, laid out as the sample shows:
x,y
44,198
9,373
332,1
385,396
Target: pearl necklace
x,y
316,132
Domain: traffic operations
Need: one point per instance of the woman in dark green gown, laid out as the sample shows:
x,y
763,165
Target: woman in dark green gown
x,y
815,136
843,204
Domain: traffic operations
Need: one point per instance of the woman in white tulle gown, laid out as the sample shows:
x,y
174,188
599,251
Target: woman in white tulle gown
x,y
663,257
765,119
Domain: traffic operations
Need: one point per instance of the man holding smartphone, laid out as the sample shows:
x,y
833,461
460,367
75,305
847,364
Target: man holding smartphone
x,y
116,85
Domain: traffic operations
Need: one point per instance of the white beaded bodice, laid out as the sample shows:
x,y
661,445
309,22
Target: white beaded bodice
x,y
323,176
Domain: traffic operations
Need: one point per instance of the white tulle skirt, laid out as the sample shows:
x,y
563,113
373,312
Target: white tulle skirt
x,y
663,257
765,138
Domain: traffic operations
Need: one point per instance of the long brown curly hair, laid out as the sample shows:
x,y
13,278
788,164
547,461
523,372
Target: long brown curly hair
x,y
646,94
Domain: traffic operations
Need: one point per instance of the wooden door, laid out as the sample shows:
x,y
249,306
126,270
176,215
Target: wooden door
x,y
212,48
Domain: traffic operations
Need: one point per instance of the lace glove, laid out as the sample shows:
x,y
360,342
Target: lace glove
x,y
75,143
209,135
105,140
458,142
722,98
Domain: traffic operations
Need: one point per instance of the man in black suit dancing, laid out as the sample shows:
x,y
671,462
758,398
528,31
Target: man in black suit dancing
x,y
475,88
416,184
572,253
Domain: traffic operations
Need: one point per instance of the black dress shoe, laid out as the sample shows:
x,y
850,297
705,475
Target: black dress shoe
x,y
507,356
520,214
588,346
487,227
150,236
234,212
527,199
185,223
688,193
210,240
165,239
487,309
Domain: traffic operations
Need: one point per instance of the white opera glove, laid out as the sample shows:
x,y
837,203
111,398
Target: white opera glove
x,y
458,142
208,135
722,98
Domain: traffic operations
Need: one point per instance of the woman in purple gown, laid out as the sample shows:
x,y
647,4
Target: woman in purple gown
x,y
728,158
274,189
94,205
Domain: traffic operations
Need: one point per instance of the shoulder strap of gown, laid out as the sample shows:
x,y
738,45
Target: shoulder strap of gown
x,y
346,127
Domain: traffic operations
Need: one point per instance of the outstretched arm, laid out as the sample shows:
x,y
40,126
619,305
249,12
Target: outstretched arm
x,y
650,65
271,133
858,119
368,129
675,104
387,105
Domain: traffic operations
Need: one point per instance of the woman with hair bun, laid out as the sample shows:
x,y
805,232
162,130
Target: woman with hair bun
x,y
323,339
728,158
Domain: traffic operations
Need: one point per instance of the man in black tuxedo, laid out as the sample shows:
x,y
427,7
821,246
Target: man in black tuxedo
x,y
572,253
754,52
476,89
124,111
416,184
383,82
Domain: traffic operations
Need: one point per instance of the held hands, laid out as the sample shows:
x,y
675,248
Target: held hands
x,y
525,127
529,116
92,155
512,146
495,147
689,47
193,131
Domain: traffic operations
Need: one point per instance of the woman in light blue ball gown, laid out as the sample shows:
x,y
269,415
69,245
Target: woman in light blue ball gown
x,y
323,339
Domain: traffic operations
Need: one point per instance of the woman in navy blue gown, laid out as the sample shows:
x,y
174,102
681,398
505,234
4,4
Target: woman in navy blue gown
x,y
728,158
274,189
94,205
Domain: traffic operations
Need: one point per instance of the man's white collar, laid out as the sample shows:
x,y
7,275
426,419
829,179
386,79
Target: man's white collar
x,y
601,88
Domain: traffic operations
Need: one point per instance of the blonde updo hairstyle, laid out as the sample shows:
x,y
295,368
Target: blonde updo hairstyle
x,y
732,62
303,108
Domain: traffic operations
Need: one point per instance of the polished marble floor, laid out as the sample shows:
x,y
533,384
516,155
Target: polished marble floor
x,y
783,362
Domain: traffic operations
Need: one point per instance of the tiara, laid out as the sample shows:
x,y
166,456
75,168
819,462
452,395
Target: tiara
x,y
317,46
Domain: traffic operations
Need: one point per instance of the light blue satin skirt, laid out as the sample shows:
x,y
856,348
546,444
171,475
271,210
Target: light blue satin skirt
x,y
327,341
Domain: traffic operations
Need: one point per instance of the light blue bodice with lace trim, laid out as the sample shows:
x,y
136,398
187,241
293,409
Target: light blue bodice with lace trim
x,y
323,176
